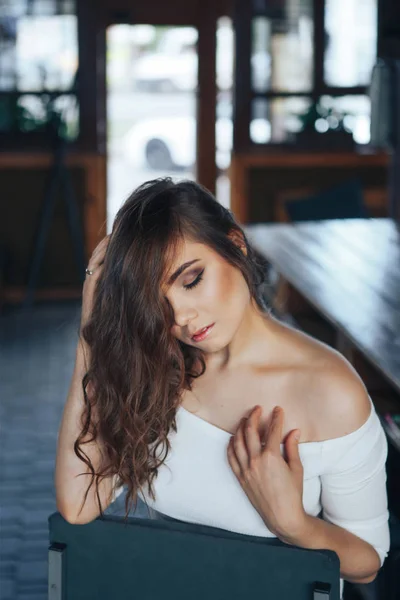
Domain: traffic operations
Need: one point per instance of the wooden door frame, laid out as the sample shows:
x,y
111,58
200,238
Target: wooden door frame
x,y
95,17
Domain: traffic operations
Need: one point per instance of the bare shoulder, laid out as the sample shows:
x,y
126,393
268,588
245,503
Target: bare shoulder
x,y
338,392
337,395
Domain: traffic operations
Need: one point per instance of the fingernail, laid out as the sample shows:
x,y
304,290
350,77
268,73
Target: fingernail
x,y
297,436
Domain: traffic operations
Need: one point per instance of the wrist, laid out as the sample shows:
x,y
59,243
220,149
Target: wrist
x,y
299,531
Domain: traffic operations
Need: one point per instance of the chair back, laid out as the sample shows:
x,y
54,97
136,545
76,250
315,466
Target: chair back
x,y
174,560
344,201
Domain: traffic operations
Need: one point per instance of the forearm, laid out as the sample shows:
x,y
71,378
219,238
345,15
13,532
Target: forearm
x,y
71,488
359,561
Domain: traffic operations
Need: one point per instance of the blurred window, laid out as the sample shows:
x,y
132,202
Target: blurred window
x,y
350,41
277,120
38,65
151,107
282,49
310,71
223,124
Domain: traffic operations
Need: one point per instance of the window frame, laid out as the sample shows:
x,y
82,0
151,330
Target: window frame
x,y
244,94
22,141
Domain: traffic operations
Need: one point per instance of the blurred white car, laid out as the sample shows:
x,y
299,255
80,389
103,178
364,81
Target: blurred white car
x,y
170,143
163,73
172,67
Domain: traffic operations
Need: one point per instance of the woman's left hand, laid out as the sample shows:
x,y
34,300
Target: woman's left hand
x,y
272,484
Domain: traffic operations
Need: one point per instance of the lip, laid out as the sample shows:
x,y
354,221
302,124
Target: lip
x,y
202,336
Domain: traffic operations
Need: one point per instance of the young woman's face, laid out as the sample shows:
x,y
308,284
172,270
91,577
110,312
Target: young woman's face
x,y
208,291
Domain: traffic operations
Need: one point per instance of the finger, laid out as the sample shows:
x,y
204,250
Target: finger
x,y
239,446
274,436
232,459
98,255
252,437
292,451
95,265
102,246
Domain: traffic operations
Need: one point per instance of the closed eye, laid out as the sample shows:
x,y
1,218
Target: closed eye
x,y
195,282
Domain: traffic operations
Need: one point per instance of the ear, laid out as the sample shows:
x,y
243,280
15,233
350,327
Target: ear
x,y
237,238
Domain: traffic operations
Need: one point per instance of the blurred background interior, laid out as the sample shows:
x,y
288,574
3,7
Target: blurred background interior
x,y
287,110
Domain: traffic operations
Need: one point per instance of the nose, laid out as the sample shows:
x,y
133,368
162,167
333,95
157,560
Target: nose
x,y
184,317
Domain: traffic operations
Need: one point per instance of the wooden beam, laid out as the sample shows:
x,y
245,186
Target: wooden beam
x,y
159,12
242,96
318,47
206,97
87,78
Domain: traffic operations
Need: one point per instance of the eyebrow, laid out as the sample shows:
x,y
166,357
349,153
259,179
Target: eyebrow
x,y
180,270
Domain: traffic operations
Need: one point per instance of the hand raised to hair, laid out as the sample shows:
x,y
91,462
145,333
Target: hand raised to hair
x,y
89,286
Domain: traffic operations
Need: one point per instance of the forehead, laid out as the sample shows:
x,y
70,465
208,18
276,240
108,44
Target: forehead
x,y
184,250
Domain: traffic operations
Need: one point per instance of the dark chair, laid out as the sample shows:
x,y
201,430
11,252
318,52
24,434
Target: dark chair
x,y
151,559
343,201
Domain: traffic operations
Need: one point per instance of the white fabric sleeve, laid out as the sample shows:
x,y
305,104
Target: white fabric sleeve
x,y
353,484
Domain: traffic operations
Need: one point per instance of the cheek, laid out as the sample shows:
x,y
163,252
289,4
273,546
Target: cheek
x,y
217,290
228,291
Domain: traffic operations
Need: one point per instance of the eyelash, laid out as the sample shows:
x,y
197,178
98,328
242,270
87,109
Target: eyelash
x,y
195,282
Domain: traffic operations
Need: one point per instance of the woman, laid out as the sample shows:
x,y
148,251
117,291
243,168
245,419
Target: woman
x,y
147,379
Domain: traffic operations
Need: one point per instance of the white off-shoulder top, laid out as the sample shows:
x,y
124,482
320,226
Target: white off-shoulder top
x,y
344,477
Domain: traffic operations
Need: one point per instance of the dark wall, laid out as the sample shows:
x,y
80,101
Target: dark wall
x,y
389,28
20,204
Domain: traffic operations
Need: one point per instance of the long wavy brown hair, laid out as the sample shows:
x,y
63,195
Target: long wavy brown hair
x,y
138,370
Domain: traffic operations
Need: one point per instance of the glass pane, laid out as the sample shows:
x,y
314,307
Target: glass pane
x,y
8,55
278,120
38,47
223,124
46,52
282,48
351,30
19,8
352,113
168,63
151,107
51,7
68,108
13,8
30,112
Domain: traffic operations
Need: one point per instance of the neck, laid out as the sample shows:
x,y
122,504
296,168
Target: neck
x,y
251,343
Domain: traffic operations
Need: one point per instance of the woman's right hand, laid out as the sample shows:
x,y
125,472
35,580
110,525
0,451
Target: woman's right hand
x,y
89,286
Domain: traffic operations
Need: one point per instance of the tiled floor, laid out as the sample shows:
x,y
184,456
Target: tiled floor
x,y
37,352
